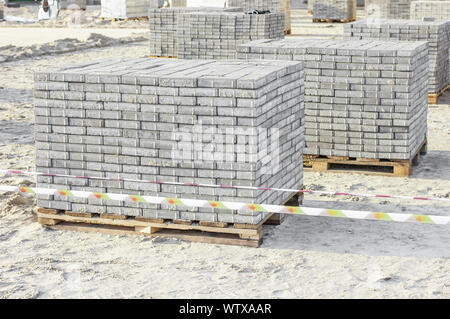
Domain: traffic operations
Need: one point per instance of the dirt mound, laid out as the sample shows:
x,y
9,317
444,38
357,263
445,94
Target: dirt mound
x,y
11,204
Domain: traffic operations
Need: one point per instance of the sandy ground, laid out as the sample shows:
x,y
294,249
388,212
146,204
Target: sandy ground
x,y
305,257
30,36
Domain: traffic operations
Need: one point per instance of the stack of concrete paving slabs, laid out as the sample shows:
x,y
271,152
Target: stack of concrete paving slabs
x,y
247,5
363,98
214,122
121,9
334,9
205,35
436,33
438,10
388,9
432,10
274,6
164,26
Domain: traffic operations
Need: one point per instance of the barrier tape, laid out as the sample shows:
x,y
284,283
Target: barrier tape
x,y
245,207
229,186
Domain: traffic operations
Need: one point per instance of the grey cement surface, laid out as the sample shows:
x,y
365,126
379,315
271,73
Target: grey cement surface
x,y
16,132
8,95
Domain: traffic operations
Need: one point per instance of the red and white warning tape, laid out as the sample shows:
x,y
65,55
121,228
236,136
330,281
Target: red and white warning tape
x,y
263,208
16,172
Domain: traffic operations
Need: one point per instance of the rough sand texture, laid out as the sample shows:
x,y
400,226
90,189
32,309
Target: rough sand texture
x,y
305,257
30,36
63,44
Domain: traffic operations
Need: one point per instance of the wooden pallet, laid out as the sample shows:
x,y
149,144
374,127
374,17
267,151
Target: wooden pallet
x,y
310,13
433,97
162,57
333,20
344,164
287,32
68,9
205,232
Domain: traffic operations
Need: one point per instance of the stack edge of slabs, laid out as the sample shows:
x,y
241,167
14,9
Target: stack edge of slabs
x,y
438,10
388,9
213,122
164,26
217,35
436,33
363,98
334,9
1,10
124,8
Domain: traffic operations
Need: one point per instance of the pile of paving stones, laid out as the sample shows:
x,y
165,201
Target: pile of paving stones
x,y
388,9
207,35
363,98
215,122
272,5
334,9
435,33
164,28
437,10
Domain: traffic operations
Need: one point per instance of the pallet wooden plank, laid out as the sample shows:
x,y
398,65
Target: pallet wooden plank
x,y
276,219
433,97
78,214
254,237
113,216
333,20
257,227
399,168
209,232
48,211
360,159
192,236
48,221
147,229
149,220
213,224
134,223
161,57
182,222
